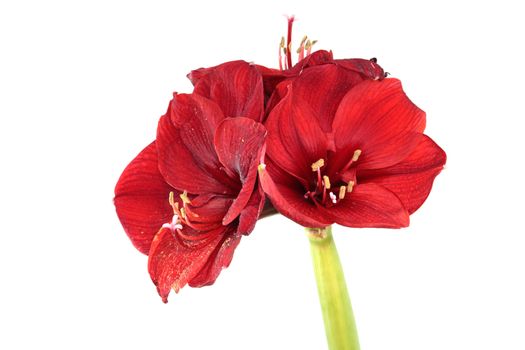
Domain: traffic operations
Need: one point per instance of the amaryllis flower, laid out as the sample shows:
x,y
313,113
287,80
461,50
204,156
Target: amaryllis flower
x,y
188,197
347,153
276,81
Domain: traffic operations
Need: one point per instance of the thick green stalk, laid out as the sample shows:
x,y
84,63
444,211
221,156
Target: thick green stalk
x,y
339,322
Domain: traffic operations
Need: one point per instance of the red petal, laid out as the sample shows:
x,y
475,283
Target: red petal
x,y
237,87
173,262
187,158
295,138
141,199
369,69
251,211
322,88
239,143
378,118
411,180
287,196
218,260
272,77
370,205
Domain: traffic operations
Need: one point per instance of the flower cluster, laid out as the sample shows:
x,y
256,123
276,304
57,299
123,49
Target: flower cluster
x,y
325,140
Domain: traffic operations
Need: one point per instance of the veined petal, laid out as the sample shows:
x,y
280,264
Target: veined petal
x,y
251,212
141,199
411,179
237,88
370,205
174,261
239,144
187,157
379,119
218,260
322,89
295,137
287,196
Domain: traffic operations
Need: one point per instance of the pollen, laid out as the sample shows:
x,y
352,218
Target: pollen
x,y
356,155
318,165
326,182
342,192
350,187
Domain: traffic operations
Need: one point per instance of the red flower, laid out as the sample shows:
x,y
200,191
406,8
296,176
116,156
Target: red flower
x,y
346,152
188,197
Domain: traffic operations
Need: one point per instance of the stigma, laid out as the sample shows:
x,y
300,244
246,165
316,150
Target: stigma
x,y
174,225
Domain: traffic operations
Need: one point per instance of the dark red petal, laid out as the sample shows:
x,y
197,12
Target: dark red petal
x,y
173,262
218,260
370,205
322,88
272,77
411,180
239,143
378,118
251,211
287,197
237,87
141,199
369,69
295,138
187,157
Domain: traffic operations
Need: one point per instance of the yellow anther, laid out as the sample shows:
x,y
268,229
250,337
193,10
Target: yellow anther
x,y
308,45
183,213
184,197
282,44
342,192
318,165
171,199
356,155
326,181
350,187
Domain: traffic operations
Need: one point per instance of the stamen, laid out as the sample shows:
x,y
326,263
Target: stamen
x,y
333,198
326,182
171,199
350,187
281,48
184,197
318,165
356,155
183,214
342,192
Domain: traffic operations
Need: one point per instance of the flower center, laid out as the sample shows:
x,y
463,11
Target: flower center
x,y
326,192
181,215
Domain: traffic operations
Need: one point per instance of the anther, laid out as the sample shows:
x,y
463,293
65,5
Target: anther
x,y
171,199
318,165
282,44
356,155
342,192
184,197
326,182
333,197
350,187
183,214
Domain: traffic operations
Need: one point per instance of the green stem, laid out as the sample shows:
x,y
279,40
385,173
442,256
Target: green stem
x,y
339,322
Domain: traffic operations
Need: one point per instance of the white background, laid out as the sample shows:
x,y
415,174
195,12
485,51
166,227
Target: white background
x,y
82,85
